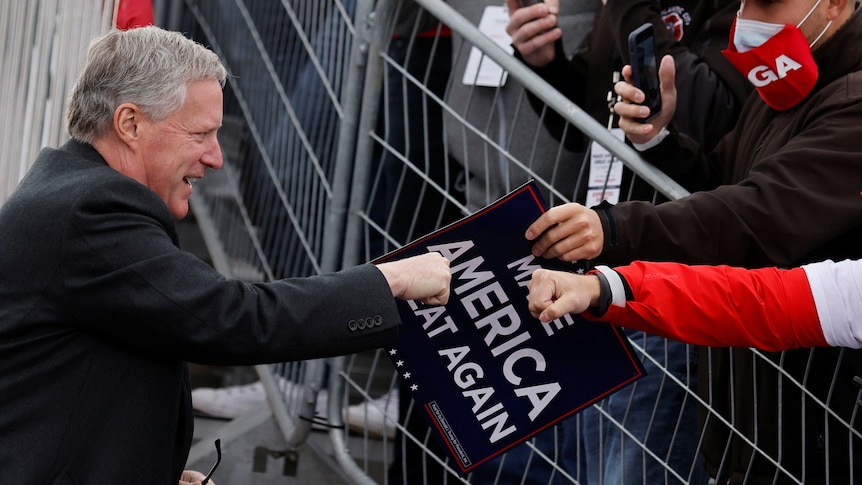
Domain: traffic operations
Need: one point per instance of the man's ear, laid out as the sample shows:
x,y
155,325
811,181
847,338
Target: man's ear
x,y
836,8
127,118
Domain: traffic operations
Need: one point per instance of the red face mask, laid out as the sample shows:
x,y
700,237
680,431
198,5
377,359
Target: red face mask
x,y
782,69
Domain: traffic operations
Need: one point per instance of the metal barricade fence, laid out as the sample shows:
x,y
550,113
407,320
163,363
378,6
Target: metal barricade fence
x,y
434,158
440,150
272,211
45,43
353,127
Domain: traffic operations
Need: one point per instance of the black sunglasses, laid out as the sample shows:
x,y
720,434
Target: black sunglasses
x,y
218,460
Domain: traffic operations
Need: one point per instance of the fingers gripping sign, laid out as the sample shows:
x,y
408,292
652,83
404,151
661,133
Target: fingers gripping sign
x,y
570,232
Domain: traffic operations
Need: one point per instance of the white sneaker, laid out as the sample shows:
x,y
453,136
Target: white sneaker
x,y
233,401
227,402
377,417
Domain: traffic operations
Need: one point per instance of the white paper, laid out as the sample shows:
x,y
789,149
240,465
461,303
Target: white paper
x,y
606,174
480,69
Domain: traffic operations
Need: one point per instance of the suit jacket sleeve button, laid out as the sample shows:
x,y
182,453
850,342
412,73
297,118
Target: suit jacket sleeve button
x,y
378,320
351,325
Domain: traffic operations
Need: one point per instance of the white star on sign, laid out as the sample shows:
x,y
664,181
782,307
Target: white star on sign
x,y
400,363
414,387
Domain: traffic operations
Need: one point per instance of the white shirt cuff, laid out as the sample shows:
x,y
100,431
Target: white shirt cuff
x,y
618,291
642,147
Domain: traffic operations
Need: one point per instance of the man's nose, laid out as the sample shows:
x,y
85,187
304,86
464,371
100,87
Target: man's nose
x,y
212,158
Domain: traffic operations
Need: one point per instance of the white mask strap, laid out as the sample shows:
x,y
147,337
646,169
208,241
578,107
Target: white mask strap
x,y
808,15
828,24
810,11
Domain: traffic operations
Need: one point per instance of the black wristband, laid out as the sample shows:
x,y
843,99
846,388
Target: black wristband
x,y
605,295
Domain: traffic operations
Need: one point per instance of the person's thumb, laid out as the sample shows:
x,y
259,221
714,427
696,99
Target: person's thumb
x,y
550,313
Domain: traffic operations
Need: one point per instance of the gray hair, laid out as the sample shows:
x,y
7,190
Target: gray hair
x,y
147,66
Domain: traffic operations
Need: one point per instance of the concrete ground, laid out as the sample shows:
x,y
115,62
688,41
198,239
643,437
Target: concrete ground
x,y
256,431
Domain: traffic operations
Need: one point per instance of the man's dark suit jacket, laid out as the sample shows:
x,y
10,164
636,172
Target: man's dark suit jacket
x,y
100,310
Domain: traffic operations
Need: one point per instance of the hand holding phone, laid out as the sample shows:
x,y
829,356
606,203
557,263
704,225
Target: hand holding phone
x,y
644,63
527,3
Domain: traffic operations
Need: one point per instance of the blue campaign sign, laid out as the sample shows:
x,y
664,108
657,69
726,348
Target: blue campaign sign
x,y
486,374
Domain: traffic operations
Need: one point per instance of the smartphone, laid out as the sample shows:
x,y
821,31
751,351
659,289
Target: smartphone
x,y
527,3
644,62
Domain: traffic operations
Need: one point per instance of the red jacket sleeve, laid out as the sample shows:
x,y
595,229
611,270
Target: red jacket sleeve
x,y
134,13
768,308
